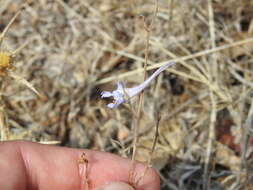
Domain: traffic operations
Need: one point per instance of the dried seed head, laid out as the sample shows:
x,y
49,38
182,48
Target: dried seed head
x,y
5,62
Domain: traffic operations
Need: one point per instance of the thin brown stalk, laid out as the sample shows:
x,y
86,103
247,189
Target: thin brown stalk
x,y
148,28
213,78
171,3
245,138
151,153
4,129
8,27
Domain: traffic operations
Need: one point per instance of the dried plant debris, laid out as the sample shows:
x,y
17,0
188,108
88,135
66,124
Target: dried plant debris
x,y
74,50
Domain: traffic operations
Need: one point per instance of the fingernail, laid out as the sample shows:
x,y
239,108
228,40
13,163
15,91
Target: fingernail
x,y
114,185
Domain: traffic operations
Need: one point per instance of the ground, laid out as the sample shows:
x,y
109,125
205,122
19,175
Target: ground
x,y
77,49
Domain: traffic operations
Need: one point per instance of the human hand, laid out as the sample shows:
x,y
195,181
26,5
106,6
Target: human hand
x,y
26,165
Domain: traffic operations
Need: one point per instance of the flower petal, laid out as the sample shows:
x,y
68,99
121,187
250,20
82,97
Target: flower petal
x,y
121,93
106,94
111,105
120,86
115,104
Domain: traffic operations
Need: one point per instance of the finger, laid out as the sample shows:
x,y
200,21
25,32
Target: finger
x,y
49,167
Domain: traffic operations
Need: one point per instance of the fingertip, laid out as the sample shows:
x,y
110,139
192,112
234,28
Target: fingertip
x,y
154,178
150,181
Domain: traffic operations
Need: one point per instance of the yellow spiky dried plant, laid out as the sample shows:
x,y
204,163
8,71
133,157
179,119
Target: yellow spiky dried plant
x,y
6,66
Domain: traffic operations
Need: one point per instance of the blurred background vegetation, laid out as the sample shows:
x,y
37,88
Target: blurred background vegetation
x,y
78,48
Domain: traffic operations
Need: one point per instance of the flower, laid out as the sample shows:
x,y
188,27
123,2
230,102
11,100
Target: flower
x,y
122,94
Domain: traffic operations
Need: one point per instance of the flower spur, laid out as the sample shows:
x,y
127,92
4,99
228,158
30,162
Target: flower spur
x,y
119,93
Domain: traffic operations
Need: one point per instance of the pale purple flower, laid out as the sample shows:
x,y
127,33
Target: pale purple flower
x,y
122,94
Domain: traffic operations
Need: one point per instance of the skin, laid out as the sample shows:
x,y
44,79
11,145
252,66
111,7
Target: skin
x,y
27,166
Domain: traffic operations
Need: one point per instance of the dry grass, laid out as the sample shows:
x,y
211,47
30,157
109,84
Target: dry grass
x,y
75,49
